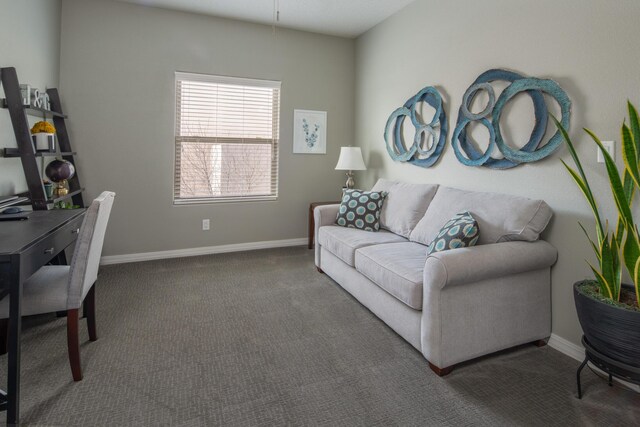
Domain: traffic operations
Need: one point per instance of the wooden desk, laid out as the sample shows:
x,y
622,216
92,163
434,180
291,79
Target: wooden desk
x,y
25,246
312,223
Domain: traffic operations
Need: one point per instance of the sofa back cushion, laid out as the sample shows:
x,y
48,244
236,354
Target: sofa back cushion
x,y
500,217
405,204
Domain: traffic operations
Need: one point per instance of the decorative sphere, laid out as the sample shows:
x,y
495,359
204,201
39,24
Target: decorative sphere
x,y
59,170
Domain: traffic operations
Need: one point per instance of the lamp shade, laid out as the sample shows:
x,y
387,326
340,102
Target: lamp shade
x,y
350,159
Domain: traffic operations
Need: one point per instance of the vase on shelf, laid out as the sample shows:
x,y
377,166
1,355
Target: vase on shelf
x,y
48,189
43,135
44,142
59,170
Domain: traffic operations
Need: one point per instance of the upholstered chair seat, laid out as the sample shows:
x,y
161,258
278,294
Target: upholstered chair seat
x,y
44,292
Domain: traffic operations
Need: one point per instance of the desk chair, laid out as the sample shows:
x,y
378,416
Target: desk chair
x,y
55,288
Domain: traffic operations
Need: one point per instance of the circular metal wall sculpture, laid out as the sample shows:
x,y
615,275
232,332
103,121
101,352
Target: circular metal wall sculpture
x,y
429,138
489,117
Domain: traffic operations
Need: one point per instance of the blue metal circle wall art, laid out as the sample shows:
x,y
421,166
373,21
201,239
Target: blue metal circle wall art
x,y
429,138
489,117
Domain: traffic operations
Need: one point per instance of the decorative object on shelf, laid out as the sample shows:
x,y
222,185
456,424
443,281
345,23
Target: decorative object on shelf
x,y
40,99
48,189
44,136
309,132
609,311
65,205
350,160
489,117
429,138
25,92
36,100
62,189
59,171
44,101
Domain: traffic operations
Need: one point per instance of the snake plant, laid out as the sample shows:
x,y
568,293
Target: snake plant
x,y
622,246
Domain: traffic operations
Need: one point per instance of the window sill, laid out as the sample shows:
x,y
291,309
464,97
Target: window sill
x,y
209,201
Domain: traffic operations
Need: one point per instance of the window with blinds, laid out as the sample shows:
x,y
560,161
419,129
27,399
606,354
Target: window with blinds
x,y
226,139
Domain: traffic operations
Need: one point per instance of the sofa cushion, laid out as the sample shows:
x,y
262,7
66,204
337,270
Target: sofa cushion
x,y
361,209
395,267
405,204
461,231
383,185
501,217
343,242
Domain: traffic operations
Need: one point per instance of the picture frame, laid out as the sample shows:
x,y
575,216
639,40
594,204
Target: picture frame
x,y
309,132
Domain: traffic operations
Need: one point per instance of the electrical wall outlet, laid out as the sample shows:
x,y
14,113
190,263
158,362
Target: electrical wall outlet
x,y
205,224
610,146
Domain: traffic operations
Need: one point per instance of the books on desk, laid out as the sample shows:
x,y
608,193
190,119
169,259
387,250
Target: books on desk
x,y
7,201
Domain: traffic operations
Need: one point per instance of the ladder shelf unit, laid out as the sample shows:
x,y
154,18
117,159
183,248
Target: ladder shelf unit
x,y
26,150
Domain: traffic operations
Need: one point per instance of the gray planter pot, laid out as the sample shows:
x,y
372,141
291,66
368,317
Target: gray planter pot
x,y
612,331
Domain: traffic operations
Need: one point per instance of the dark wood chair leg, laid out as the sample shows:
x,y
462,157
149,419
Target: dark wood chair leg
x,y
4,336
441,372
73,343
90,312
540,343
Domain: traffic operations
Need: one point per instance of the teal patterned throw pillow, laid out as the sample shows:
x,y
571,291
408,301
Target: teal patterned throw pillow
x,y
459,232
361,209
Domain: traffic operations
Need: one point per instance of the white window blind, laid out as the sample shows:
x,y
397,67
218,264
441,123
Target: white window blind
x,y
226,137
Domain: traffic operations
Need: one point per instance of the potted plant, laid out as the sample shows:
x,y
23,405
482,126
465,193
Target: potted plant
x,y
609,311
43,135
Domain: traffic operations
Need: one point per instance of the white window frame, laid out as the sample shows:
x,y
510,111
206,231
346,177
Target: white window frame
x,y
275,141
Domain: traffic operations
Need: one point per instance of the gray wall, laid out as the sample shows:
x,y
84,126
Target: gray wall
x,y
117,84
586,46
30,34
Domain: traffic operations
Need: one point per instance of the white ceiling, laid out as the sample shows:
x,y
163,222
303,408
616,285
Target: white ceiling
x,y
346,18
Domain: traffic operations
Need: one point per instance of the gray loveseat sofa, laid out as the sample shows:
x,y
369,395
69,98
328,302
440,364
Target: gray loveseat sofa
x,y
455,305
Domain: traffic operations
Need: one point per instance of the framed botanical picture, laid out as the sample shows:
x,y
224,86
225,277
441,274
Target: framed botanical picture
x,y
309,132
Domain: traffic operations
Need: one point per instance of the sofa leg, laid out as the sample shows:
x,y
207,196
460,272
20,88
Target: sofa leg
x,y
441,372
320,270
539,343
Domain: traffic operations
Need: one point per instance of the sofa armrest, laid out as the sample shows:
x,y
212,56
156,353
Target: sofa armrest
x,y
323,215
485,298
465,265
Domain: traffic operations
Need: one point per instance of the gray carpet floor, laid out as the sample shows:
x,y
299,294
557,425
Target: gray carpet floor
x,y
261,338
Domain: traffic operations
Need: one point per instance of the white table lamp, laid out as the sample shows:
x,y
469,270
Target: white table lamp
x,y
350,160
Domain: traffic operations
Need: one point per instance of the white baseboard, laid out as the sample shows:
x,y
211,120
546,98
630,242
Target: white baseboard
x,y
207,250
566,347
577,352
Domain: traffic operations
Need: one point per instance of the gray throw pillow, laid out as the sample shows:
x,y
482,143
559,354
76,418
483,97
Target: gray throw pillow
x,y
459,232
361,209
